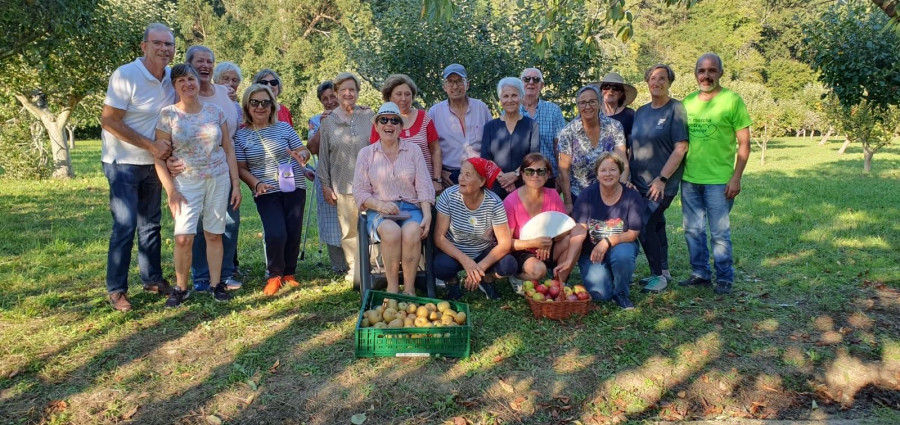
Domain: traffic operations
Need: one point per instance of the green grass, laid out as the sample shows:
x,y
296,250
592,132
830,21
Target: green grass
x,y
813,319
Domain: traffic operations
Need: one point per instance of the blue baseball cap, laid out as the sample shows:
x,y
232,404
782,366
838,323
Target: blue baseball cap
x,y
455,68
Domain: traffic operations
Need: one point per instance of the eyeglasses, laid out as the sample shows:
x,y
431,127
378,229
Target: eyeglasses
x,y
257,103
159,43
273,83
527,80
531,171
586,103
385,120
455,83
613,87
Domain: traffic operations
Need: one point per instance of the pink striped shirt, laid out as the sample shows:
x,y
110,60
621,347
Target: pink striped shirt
x,y
405,179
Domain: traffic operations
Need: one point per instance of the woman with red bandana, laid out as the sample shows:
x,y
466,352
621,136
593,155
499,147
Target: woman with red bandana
x,y
471,232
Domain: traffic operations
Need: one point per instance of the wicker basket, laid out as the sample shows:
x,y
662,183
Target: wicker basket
x,y
559,310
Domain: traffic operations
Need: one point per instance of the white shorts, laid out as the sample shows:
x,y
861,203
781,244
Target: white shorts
x,y
203,197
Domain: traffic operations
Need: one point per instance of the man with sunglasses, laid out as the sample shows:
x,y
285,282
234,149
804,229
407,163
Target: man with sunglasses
x,y
548,116
137,92
459,122
719,134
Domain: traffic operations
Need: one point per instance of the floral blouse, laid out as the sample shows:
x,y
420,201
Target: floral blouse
x,y
574,142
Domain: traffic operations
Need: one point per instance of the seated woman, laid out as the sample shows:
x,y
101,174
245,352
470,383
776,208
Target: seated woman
x,y
471,233
506,140
608,217
200,137
392,183
534,255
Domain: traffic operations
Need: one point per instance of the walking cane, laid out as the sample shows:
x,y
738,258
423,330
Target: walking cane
x,y
309,206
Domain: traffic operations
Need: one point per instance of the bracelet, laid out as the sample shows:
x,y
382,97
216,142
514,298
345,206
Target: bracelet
x,y
608,242
256,186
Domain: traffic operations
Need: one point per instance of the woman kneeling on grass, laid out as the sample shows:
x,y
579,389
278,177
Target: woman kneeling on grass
x,y
201,139
608,219
270,158
535,256
471,232
392,183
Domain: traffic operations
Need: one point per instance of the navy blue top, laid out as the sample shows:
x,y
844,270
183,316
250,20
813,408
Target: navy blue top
x,y
509,149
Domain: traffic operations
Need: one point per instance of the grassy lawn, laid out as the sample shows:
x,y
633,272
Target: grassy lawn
x,y
811,332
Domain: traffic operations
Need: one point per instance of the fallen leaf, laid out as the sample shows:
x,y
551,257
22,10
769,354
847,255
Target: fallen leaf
x,y
129,414
682,394
252,384
498,359
562,399
723,385
214,420
508,388
13,374
705,379
57,406
514,406
358,419
250,398
275,365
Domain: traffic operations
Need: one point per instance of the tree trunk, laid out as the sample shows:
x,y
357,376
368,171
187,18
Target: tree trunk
x,y
70,133
868,153
844,146
889,7
762,152
826,136
56,129
802,132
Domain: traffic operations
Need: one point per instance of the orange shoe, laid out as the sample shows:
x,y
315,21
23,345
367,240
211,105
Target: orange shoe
x,y
272,286
291,281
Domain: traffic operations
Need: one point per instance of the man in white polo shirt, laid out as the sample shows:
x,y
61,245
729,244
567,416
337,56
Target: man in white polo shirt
x,y
136,93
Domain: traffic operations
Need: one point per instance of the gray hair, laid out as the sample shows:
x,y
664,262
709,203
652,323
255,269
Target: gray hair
x,y
155,27
590,87
193,50
669,73
539,73
511,81
712,56
224,67
266,71
344,76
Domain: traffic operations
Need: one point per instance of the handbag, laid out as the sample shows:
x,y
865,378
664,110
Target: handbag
x,y
284,174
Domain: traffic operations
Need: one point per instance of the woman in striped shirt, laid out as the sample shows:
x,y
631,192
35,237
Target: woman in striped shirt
x,y
392,183
264,148
471,231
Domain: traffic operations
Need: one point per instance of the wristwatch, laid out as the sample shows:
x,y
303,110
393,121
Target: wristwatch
x,y
437,180
663,179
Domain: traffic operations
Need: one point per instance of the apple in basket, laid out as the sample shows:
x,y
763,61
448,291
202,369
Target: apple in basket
x,y
554,291
579,288
572,297
583,295
543,289
538,296
529,284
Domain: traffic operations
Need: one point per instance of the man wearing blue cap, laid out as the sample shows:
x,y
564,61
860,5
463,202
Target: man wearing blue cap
x,y
459,122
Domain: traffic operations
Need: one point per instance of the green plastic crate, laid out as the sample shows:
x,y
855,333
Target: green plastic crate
x,y
447,342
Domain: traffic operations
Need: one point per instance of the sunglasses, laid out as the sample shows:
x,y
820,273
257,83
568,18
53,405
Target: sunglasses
x,y
257,103
531,80
531,171
613,87
385,120
273,83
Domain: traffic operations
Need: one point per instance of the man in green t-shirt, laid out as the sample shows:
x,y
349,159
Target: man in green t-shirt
x,y
719,131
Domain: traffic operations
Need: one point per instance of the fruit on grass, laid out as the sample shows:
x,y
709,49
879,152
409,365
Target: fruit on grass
x,y
583,295
538,296
460,318
542,289
443,306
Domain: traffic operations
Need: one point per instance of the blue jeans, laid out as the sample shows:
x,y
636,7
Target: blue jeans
x,y
446,267
703,204
199,266
612,276
134,201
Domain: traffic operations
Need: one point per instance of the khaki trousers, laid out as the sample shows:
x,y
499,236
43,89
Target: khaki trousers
x,y
348,216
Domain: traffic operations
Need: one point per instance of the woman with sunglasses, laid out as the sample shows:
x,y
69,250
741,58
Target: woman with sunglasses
x,y
392,184
199,135
535,256
506,140
270,157
616,97
342,135
582,141
270,78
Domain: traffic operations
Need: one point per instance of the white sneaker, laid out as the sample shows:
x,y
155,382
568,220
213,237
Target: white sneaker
x,y
517,284
233,284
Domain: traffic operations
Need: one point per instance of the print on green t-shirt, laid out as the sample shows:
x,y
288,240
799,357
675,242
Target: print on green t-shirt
x,y
712,126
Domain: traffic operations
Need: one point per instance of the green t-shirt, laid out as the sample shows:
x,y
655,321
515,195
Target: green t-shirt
x,y
712,126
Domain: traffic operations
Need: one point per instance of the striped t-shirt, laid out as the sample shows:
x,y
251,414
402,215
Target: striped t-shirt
x,y
263,160
471,231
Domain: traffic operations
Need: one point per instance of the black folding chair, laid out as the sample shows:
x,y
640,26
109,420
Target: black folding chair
x,y
369,274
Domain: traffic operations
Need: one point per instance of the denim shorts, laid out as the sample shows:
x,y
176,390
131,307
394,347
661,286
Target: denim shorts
x,y
374,218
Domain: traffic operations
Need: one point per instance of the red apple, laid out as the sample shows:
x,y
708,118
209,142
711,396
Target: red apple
x,y
583,295
542,289
554,291
557,283
579,288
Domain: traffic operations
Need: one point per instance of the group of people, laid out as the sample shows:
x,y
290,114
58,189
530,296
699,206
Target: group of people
x,y
454,171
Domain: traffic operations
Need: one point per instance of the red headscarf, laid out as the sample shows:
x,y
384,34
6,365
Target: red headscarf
x,y
487,169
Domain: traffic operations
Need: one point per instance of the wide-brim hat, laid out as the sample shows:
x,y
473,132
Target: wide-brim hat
x,y
388,108
615,78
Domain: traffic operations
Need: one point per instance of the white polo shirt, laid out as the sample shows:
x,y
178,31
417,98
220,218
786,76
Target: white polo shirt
x,y
135,90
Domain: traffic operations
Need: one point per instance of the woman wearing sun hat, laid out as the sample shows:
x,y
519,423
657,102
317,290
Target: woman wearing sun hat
x,y
471,231
617,95
392,184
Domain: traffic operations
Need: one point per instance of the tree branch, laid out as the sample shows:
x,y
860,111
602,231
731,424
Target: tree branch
x,y
312,25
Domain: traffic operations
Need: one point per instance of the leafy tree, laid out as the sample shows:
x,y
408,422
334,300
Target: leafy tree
x,y
51,76
766,113
859,62
27,24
